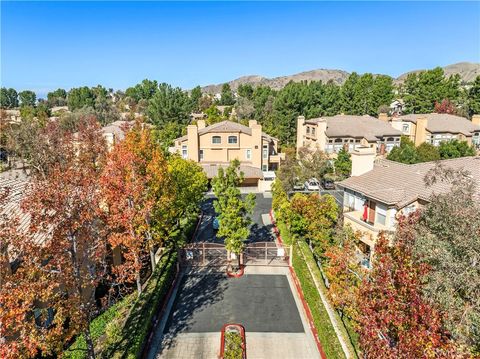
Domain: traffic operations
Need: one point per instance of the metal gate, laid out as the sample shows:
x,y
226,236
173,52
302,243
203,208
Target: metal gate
x,y
203,254
266,253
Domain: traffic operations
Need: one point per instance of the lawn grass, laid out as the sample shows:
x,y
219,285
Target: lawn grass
x,y
346,329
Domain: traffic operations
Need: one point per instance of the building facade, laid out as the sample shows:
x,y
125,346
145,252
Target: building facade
x,y
375,197
435,128
218,144
331,134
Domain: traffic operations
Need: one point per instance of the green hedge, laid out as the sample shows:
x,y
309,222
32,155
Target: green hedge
x,y
97,328
132,337
326,333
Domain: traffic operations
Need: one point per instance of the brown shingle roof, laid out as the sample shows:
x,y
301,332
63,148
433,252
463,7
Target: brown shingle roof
x,y
211,169
365,126
443,122
399,184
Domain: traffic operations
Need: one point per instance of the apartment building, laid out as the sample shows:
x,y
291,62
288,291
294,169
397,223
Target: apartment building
x,y
216,145
331,134
377,193
437,127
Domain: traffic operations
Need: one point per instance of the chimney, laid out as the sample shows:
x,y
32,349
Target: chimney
x,y
257,145
200,124
383,117
251,123
476,120
321,134
300,131
192,142
363,158
421,130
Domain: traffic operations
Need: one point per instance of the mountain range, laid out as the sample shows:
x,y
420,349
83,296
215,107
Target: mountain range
x,y
467,71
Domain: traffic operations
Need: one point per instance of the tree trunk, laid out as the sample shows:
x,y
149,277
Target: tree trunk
x,y
88,340
139,284
152,259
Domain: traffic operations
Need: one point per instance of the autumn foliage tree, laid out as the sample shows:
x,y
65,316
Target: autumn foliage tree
x,y
394,320
313,218
139,197
51,296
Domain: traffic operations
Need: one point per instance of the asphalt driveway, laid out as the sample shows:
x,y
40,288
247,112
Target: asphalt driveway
x,y
259,232
262,303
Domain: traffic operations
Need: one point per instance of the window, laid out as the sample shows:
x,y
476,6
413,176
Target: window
x,y
313,130
265,151
232,139
184,151
248,154
201,155
216,139
406,127
264,168
381,213
308,129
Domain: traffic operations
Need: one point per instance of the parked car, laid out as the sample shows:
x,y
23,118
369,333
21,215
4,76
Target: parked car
x,y
215,224
312,185
328,183
298,186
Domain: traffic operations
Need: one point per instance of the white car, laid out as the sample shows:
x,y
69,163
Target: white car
x,y
312,185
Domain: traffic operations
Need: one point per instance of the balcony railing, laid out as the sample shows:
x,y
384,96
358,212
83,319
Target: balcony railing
x,y
356,217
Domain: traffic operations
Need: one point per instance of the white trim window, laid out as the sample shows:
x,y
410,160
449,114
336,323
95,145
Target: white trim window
x,y
406,128
216,140
184,151
265,152
200,156
248,154
381,212
232,139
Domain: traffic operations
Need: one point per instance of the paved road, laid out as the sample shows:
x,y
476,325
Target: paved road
x,y
262,303
259,232
263,300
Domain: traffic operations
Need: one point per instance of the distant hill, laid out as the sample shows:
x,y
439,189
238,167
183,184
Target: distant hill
x,y
467,71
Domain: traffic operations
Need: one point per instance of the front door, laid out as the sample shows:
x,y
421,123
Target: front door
x,y
371,211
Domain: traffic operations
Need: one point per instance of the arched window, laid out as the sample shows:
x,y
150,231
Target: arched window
x,y
232,139
216,139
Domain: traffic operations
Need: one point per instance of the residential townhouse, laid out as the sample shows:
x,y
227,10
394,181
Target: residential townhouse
x,y
331,134
377,193
437,127
216,145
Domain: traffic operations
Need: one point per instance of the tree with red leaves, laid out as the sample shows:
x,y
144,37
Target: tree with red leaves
x,y
51,296
395,321
139,196
446,106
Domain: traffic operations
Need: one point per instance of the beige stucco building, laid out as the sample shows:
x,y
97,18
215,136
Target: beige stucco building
x,y
331,134
437,127
216,145
375,197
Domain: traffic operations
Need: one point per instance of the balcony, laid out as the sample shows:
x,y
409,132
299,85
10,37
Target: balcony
x,y
370,230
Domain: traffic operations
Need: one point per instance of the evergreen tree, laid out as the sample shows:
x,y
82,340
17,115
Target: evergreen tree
x,y
474,98
27,98
227,98
8,98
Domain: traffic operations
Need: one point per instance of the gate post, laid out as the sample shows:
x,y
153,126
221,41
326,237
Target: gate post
x,y
203,253
290,257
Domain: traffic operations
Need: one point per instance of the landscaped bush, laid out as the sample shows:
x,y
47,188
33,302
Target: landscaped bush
x,y
131,339
97,328
233,345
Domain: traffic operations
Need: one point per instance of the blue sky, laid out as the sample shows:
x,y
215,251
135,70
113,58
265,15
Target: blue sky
x,y
46,45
